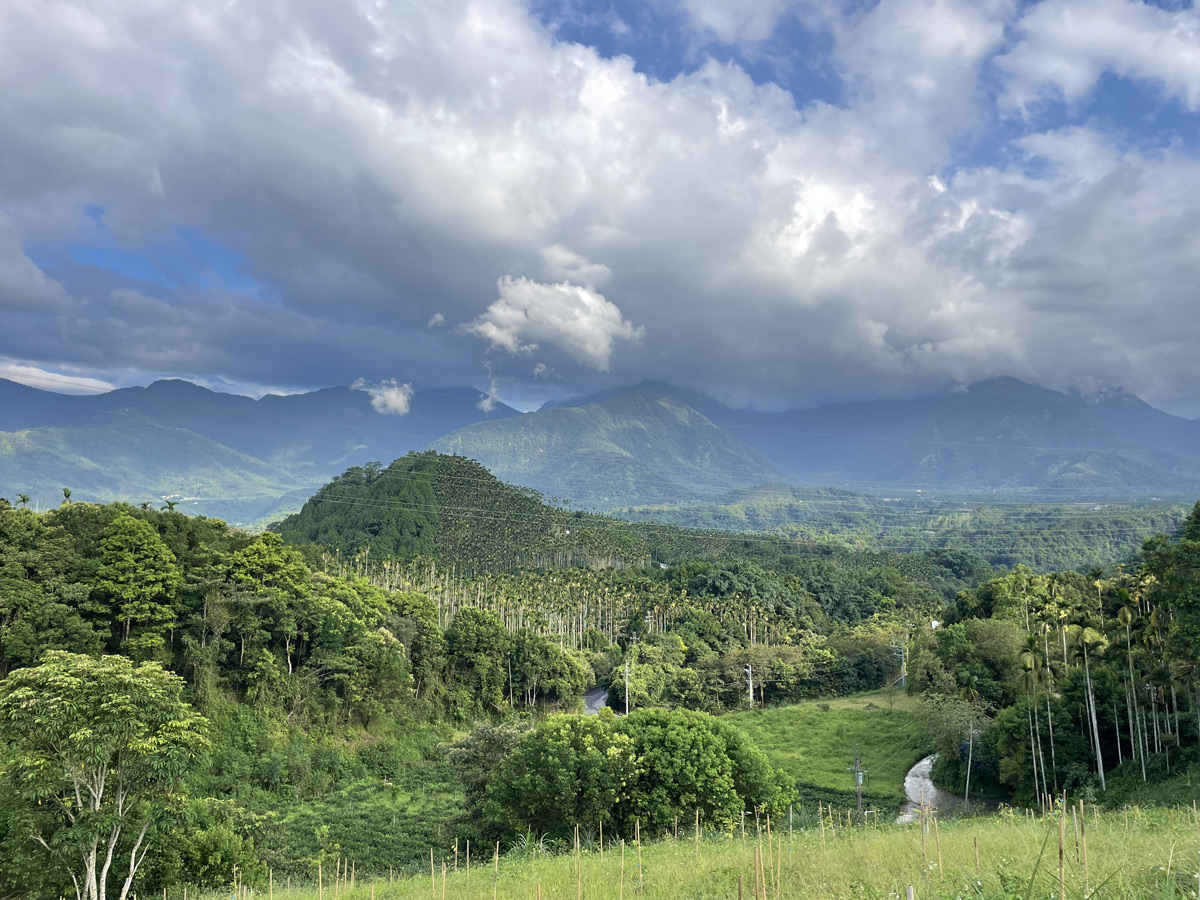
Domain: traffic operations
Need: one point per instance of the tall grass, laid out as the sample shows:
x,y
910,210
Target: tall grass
x,y
1135,854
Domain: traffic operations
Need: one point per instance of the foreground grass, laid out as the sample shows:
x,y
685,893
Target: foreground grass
x,y
1141,854
814,741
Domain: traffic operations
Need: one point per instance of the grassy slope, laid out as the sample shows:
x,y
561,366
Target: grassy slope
x,y
1130,856
814,743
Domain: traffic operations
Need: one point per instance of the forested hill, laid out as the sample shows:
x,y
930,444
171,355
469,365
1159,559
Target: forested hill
x,y
452,508
1043,536
640,447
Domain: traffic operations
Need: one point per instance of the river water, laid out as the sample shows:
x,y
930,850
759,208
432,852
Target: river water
x,y
918,787
595,700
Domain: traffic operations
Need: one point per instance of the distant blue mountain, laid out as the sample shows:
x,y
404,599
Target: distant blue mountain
x,y
258,456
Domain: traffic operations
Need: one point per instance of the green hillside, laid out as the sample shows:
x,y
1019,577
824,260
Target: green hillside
x,y
634,448
430,504
1044,536
814,743
128,457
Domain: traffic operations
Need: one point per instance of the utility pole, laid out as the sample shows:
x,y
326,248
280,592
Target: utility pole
x,y
626,685
750,683
859,771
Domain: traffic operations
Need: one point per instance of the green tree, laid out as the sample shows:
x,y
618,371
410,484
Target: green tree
x,y
139,575
94,750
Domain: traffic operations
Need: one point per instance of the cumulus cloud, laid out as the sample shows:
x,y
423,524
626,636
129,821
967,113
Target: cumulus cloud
x,y
359,177
1065,47
560,263
388,396
578,320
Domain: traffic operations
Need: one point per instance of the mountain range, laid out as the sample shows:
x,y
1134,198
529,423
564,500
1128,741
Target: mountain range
x,y
246,460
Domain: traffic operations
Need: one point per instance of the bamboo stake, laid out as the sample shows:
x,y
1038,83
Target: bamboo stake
x,y
468,860
697,835
578,868
443,879
456,854
321,881
1087,888
923,858
1075,828
779,868
637,836
353,869
821,817
770,861
1062,837
270,886
432,875
739,887
621,892
496,870
601,840
372,890
937,840
976,855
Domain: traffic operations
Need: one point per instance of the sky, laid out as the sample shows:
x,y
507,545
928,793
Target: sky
x,y
779,202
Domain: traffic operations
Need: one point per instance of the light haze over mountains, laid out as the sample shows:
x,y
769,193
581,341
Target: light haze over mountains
x,y
245,459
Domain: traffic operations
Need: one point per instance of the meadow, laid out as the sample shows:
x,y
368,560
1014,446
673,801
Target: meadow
x,y
814,742
1133,853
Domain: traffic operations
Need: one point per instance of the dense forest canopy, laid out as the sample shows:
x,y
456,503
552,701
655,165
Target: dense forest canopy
x,y
334,664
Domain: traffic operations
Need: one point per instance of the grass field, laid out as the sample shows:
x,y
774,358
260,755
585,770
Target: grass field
x,y
1139,854
814,743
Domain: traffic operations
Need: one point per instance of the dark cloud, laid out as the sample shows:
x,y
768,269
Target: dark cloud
x,y
354,176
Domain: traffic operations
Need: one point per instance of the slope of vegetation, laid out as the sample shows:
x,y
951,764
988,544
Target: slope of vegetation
x,y
1130,856
635,448
814,742
1043,536
366,704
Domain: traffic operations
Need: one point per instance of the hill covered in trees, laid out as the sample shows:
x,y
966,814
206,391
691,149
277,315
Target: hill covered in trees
x,y
332,681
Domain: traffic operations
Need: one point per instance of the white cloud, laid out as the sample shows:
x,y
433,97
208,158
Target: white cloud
x,y
388,396
562,264
378,166
1067,45
47,380
578,320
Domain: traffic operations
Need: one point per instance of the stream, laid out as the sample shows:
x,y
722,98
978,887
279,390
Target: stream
x,y
594,700
919,786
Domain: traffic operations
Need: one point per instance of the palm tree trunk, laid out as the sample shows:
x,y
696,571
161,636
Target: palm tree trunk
x,y
1087,670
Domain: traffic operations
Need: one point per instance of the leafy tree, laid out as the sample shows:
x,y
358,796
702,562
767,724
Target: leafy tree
x,y
139,575
94,752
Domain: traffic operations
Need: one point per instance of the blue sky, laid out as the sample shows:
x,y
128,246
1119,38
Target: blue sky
x,y
781,202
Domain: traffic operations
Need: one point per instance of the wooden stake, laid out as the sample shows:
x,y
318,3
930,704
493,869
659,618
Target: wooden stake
x,y
977,856
456,854
578,868
739,887
697,837
821,816
909,893
353,869
601,840
432,875
321,880
496,870
270,886
621,892
443,879
468,860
